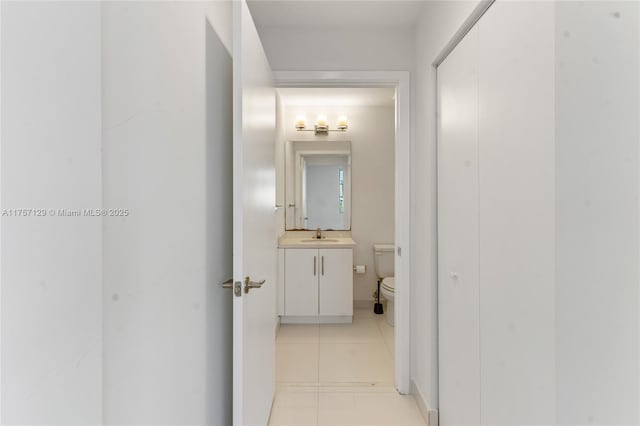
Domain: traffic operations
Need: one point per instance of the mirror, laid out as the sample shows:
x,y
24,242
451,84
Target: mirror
x,y
318,185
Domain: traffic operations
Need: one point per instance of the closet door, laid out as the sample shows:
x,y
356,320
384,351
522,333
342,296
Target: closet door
x,y
517,212
459,362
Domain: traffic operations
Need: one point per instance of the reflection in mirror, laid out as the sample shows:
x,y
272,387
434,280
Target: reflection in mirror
x,y
322,191
318,185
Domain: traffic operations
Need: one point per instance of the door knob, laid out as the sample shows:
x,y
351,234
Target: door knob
x,y
228,283
248,284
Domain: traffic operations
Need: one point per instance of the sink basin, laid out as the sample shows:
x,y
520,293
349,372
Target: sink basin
x,y
323,240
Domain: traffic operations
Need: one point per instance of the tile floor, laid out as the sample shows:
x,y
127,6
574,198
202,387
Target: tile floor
x,y
339,374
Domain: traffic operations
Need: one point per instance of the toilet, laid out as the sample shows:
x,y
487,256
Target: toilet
x,y
383,258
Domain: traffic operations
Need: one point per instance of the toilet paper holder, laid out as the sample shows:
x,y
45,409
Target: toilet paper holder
x,y
360,269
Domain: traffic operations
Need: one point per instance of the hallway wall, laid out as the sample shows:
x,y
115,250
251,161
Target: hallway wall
x,y
166,151
597,213
51,265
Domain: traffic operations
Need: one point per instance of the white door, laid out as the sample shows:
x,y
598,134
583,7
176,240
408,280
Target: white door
x,y
458,284
254,231
517,211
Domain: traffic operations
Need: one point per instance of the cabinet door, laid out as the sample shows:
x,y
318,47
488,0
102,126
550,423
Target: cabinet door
x,y
302,267
336,281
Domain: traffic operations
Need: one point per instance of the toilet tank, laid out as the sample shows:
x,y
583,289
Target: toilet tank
x,y
383,258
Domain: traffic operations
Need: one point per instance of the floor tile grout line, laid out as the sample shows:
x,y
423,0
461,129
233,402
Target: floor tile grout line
x,y
386,343
317,408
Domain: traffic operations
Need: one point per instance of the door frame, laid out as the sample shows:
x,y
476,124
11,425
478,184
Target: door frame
x,y
400,81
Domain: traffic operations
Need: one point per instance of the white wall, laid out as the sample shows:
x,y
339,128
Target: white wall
x,y
439,21
51,266
167,148
597,133
372,135
311,49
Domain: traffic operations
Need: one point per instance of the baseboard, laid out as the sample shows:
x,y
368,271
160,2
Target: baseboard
x,y
430,415
317,319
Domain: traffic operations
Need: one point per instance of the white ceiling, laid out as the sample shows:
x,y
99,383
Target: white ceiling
x,y
336,14
337,96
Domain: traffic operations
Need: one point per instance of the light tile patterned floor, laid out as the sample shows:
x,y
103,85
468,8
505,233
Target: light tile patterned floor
x,y
339,374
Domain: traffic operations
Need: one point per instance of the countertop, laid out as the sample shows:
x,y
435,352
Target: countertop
x,y
287,241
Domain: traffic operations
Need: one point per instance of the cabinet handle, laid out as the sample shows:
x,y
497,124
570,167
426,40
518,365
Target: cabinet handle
x,y
322,265
314,266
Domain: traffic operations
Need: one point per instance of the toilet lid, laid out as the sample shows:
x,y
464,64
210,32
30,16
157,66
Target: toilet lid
x,y
389,284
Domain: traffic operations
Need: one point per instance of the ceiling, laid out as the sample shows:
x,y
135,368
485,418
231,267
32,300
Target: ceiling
x,y
336,14
337,96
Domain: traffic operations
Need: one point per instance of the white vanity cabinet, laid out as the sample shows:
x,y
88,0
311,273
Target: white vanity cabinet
x,y
336,282
318,285
301,282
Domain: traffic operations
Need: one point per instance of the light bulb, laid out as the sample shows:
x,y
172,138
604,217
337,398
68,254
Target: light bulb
x,y
300,122
342,122
322,120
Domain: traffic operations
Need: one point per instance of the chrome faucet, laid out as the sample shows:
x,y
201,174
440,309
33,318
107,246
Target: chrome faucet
x,y
318,234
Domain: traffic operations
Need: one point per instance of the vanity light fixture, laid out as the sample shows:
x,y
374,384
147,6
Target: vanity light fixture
x,y
322,126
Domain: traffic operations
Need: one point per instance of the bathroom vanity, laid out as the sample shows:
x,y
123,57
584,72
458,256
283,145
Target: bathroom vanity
x,y
315,275
316,279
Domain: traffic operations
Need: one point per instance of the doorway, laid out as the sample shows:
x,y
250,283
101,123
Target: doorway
x,y
397,84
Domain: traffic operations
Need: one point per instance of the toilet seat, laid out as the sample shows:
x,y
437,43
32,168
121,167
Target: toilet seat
x,y
389,284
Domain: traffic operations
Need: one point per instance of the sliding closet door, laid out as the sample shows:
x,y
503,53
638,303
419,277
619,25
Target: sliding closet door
x,y
459,361
517,205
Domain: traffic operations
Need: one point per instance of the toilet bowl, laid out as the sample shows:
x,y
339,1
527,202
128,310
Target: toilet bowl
x,y
388,289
